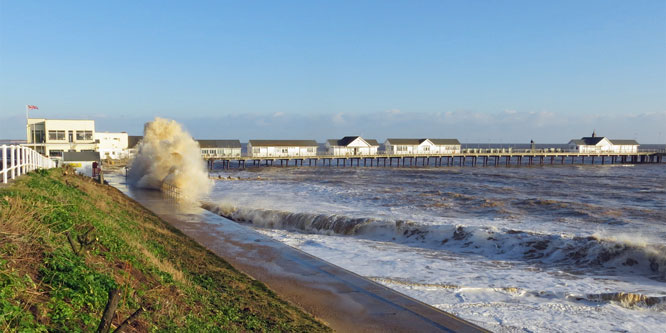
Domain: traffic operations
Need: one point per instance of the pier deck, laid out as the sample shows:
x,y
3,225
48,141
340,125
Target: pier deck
x,y
491,158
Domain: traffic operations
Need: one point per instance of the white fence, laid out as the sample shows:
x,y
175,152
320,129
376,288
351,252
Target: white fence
x,y
17,160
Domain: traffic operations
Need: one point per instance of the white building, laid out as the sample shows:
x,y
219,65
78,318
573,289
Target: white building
x,y
421,146
112,145
220,148
52,137
281,148
600,144
352,146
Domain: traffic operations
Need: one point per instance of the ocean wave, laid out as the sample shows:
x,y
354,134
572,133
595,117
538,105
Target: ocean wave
x,y
615,255
627,300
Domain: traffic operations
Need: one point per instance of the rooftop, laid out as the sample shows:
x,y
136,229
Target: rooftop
x,y
80,156
349,139
219,143
283,143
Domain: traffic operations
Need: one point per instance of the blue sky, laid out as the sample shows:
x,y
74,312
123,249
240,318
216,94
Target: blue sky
x,y
504,71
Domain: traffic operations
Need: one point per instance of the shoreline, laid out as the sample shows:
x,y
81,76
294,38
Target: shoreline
x,y
342,299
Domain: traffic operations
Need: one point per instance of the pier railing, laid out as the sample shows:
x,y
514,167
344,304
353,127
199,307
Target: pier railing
x,y
462,152
485,156
18,160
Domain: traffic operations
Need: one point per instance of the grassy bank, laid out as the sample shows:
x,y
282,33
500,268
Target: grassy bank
x,y
46,283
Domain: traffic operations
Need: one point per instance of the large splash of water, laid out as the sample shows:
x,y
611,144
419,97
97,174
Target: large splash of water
x,y
168,155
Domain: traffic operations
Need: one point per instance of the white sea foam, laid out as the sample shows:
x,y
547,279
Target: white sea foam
x,y
557,249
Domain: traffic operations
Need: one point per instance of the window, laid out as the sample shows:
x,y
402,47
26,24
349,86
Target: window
x,y
310,149
38,136
56,135
401,148
84,135
426,148
256,150
285,150
55,153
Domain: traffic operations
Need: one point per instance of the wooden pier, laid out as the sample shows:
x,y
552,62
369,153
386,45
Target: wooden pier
x,y
527,158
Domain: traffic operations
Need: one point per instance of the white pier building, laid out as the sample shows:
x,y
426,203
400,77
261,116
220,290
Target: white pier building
x,y
421,146
281,148
602,144
351,146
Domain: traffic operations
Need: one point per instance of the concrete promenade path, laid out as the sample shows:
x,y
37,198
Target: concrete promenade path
x,y
343,300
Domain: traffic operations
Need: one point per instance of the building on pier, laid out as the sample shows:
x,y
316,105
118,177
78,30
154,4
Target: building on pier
x,y
421,146
220,148
602,144
352,146
281,148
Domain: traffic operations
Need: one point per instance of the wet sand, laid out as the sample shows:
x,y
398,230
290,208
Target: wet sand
x,y
345,301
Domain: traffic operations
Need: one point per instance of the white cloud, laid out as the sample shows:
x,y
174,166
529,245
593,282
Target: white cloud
x,y
338,118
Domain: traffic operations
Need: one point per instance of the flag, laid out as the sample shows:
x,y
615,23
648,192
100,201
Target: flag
x,y
32,107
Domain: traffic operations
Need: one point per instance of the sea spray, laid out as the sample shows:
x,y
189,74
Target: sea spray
x,y
168,155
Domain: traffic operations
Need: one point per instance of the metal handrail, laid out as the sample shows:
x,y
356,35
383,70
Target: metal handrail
x,y
21,160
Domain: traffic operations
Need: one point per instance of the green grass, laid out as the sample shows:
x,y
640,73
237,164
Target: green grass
x,y
45,286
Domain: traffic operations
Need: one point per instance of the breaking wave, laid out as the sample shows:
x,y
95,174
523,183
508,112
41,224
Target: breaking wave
x,y
624,299
623,255
168,156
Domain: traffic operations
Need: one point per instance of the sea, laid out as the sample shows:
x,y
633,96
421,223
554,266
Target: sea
x,y
556,248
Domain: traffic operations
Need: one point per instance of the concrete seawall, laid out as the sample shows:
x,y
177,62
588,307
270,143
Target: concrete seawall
x,y
344,300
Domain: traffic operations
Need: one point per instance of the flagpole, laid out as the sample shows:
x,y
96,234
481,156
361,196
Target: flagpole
x,y
27,126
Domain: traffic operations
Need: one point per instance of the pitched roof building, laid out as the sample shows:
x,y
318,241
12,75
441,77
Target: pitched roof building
x,y
220,148
421,146
281,148
602,144
352,146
